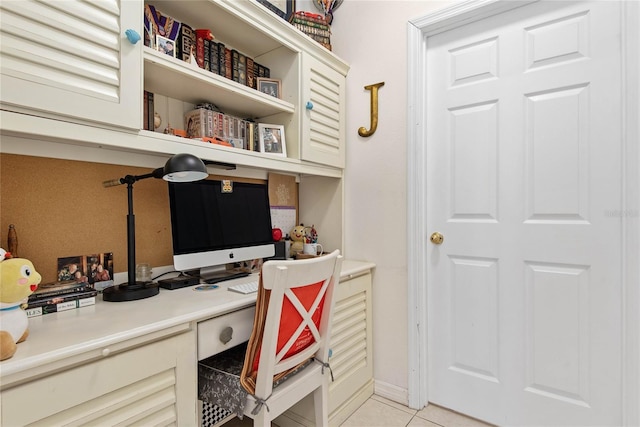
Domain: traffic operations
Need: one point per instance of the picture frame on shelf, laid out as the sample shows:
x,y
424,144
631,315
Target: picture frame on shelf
x,y
272,140
272,87
283,8
166,45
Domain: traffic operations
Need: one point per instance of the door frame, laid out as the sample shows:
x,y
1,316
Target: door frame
x,y
459,14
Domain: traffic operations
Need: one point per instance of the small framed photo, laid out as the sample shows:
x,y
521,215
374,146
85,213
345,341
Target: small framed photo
x,y
269,86
166,45
272,140
283,8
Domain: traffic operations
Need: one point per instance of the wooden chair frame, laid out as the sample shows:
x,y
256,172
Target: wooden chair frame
x,y
282,282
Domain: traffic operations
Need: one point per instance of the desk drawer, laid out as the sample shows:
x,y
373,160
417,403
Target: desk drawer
x,y
224,332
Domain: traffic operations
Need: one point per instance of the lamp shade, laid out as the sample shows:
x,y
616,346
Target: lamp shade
x,y
184,168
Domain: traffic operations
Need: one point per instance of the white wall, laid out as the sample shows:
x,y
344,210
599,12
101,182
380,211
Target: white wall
x,y
371,37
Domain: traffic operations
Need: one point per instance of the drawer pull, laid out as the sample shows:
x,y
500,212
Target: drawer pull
x,y
226,335
106,352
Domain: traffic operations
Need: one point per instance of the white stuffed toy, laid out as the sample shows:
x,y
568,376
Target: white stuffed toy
x,y
18,280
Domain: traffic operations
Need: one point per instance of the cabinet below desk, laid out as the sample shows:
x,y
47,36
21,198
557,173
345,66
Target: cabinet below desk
x,y
136,362
148,385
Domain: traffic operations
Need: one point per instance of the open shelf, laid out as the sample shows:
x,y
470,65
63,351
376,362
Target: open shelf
x,y
178,79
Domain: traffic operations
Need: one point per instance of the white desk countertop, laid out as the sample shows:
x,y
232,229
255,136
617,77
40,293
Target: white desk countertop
x,y
88,332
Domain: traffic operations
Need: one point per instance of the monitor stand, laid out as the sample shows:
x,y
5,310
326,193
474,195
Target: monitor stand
x,y
221,276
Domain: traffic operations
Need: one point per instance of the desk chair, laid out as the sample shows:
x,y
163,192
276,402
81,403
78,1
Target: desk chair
x,y
287,356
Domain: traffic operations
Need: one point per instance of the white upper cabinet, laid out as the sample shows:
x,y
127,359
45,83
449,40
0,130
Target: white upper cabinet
x,y
70,60
70,76
323,122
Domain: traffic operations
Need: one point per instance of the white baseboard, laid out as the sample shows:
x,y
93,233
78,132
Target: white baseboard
x,y
391,392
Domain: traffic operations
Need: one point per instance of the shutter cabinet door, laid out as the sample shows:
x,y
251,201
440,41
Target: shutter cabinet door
x,y
70,60
351,340
323,133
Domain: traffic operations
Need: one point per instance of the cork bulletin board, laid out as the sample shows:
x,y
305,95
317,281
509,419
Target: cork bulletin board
x,y
60,209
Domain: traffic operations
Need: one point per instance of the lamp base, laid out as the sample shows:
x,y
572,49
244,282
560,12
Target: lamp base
x,y
126,292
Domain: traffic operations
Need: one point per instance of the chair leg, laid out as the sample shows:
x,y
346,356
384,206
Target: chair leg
x,y
321,405
262,419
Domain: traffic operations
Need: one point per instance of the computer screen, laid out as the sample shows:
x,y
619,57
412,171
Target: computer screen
x,y
219,222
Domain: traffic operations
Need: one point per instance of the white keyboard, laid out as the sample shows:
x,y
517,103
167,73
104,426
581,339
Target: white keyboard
x,y
245,288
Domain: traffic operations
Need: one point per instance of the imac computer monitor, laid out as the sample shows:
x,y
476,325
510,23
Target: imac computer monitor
x,y
214,223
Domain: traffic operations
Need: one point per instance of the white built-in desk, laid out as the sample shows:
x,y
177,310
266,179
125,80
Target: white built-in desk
x,y
136,362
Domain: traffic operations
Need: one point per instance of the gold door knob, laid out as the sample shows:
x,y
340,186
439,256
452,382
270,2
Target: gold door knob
x,y
437,238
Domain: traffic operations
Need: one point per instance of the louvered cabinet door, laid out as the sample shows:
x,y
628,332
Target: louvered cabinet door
x,y
323,119
351,339
149,385
70,60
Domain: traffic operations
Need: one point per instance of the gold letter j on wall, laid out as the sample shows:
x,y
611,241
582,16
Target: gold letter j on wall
x,y
374,110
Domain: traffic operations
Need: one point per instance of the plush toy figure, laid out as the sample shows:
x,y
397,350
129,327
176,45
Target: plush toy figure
x,y
18,280
297,239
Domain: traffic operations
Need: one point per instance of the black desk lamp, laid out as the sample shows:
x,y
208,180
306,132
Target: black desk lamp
x,y
179,168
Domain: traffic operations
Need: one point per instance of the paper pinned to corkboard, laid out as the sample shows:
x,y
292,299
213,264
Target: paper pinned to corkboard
x,y
283,198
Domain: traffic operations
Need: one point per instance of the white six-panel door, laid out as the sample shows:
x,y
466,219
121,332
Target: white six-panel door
x,y
523,181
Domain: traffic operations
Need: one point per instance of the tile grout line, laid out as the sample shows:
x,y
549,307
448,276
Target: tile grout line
x,y
423,419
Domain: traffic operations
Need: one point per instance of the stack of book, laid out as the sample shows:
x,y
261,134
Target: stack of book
x,y
60,296
211,125
313,25
230,63
209,54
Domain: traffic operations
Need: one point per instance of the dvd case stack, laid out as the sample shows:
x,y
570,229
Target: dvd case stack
x,y
313,25
60,296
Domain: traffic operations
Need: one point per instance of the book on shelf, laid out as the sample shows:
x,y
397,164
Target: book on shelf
x,y
228,64
219,125
312,23
63,306
262,71
186,41
150,112
242,131
313,30
251,136
214,57
222,64
242,68
251,75
201,35
145,111
235,65
207,55
58,299
59,288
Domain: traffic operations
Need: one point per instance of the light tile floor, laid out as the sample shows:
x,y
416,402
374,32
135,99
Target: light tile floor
x,y
380,412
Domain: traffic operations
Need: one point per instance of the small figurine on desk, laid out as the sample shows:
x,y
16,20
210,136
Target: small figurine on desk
x,y
297,239
311,235
18,280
